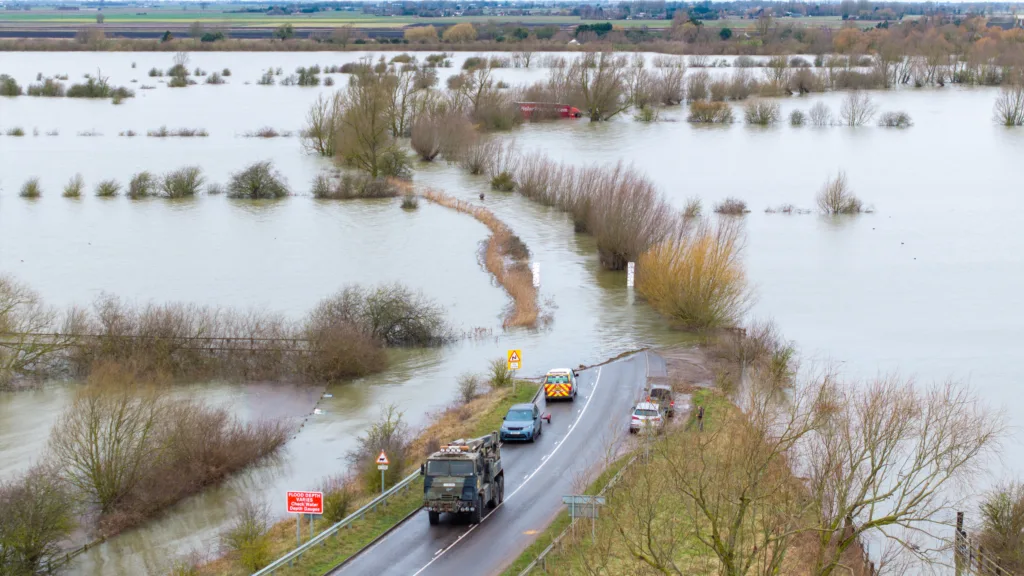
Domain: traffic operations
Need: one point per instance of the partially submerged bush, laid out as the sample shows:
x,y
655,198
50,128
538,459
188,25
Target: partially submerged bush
x,y
141,185
49,88
248,537
352,186
258,181
797,118
895,120
37,512
16,131
710,112
762,113
390,434
9,86
731,207
74,187
31,189
696,276
820,115
1009,106
108,189
410,202
857,109
182,183
836,197
503,182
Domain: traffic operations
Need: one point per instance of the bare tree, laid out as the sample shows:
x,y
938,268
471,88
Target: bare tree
x,y
107,440
857,109
320,134
600,80
886,461
835,197
1009,106
820,115
31,334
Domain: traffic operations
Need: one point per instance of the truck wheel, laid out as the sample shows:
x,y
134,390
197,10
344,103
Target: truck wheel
x,y
478,512
501,489
434,517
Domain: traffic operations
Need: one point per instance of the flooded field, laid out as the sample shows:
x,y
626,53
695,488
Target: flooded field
x,y
930,284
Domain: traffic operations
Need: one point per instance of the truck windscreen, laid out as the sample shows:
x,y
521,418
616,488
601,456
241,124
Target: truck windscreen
x,y
449,468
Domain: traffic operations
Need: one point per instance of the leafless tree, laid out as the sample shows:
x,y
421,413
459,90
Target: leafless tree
x,y
31,334
1009,106
820,115
600,80
836,197
107,440
887,460
322,120
857,109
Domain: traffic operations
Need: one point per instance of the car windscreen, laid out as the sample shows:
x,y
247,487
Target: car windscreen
x,y
660,393
646,412
556,379
449,468
519,415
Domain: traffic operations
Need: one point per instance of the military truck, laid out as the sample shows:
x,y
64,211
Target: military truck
x,y
463,477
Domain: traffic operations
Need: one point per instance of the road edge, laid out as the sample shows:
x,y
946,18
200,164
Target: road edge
x,y
374,542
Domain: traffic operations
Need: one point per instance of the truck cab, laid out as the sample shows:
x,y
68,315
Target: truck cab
x,y
462,477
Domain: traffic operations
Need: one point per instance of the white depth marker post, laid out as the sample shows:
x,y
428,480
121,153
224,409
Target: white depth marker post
x,y
630,274
536,274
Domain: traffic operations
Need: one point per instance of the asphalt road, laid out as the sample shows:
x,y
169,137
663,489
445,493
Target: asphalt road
x,y
582,435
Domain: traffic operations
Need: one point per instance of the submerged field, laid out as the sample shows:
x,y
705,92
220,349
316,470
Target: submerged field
x,y
928,284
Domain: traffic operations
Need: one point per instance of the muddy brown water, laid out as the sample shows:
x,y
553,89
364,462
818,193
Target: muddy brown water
x,y
929,285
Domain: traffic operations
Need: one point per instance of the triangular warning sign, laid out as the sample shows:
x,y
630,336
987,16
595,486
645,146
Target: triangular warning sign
x,y
383,458
514,356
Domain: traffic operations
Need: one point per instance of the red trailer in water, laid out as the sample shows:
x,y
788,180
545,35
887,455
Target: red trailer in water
x,y
548,110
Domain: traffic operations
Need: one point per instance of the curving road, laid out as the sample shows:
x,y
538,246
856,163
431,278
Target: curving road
x,y
582,435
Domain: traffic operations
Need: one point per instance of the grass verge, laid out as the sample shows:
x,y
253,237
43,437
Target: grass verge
x,y
475,418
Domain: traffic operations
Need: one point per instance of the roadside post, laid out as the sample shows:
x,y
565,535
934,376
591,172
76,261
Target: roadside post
x,y
382,465
299,503
583,506
514,363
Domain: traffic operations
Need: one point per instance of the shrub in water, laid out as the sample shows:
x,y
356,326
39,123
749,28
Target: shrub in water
x,y
503,182
31,189
762,113
50,88
258,181
797,118
182,183
108,189
9,86
837,198
410,202
895,120
16,131
74,187
710,112
141,185
731,207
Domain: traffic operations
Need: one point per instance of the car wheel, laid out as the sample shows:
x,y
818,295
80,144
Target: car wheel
x,y
434,517
533,437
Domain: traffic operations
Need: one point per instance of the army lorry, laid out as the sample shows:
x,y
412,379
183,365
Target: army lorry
x,y
462,477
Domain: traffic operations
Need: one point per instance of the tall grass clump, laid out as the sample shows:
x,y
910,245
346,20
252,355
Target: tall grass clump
x,y
74,187
142,185
182,183
258,181
9,86
836,197
762,113
31,189
215,79
17,131
410,202
695,276
702,111
108,189
352,186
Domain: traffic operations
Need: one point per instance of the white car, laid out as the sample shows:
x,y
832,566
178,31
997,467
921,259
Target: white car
x,y
646,416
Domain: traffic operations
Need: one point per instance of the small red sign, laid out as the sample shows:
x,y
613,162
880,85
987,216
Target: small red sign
x,y
306,502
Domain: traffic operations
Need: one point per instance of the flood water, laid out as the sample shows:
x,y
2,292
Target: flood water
x,y
929,285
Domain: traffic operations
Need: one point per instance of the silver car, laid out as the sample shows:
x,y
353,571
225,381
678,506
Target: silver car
x,y
646,417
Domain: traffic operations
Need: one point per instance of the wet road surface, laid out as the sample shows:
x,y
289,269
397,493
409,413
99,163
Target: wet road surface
x,y
581,435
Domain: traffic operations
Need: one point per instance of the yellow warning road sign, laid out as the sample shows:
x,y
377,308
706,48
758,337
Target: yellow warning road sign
x,y
515,359
382,460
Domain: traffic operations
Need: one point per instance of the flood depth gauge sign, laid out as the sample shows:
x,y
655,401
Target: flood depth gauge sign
x,y
305,502
515,359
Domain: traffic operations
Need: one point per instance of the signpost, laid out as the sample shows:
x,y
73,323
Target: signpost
x,y
515,359
382,465
582,506
300,503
